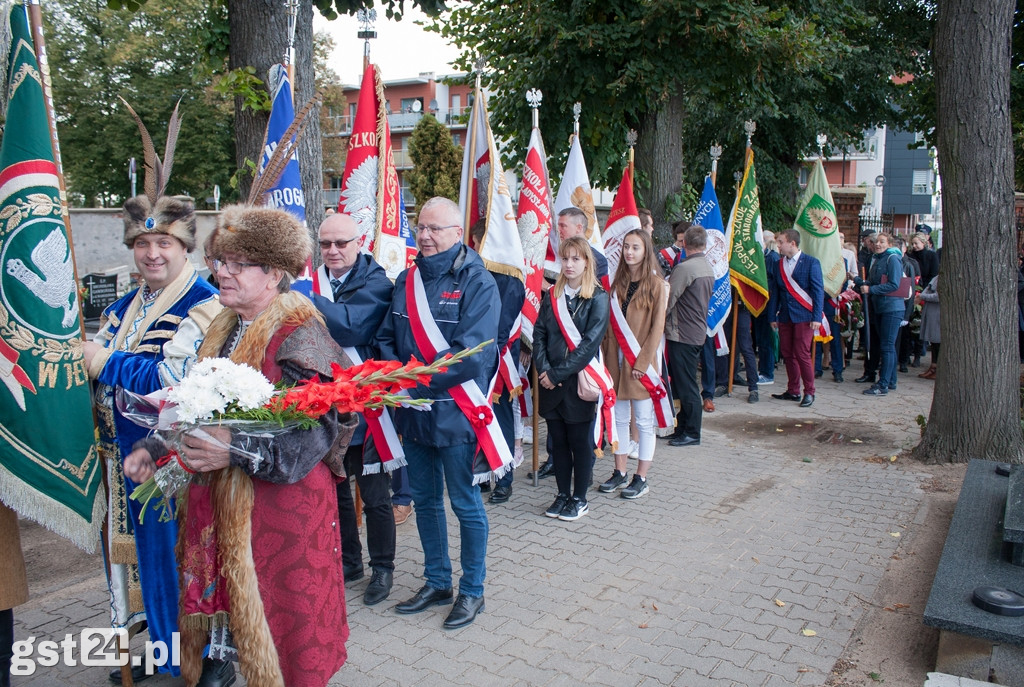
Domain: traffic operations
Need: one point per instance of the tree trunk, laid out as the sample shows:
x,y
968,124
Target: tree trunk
x,y
659,162
976,407
259,38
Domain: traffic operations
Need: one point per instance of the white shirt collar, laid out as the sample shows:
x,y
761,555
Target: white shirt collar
x,y
571,292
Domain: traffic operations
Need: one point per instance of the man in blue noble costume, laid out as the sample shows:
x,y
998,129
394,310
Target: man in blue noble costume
x,y
147,340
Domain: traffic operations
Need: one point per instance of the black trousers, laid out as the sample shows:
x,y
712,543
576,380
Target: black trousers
x,y
573,455
682,358
874,357
380,518
744,342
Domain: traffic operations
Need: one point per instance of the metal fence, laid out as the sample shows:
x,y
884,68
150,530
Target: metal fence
x,y
875,223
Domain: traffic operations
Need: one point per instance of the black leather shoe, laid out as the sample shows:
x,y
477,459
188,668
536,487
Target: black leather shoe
x,y
501,494
807,401
865,379
903,368
353,574
379,587
786,396
424,599
544,470
818,374
685,441
216,673
466,608
138,674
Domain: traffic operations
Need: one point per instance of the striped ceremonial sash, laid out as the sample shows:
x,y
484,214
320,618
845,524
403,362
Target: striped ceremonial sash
x,y
507,376
651,380
596,370
469,397
378,420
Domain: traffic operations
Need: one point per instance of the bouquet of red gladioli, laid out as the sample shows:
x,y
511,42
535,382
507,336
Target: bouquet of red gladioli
x,y
221,392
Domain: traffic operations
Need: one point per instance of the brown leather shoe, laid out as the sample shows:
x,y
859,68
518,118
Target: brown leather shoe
x,y
709,405
402,513
929,373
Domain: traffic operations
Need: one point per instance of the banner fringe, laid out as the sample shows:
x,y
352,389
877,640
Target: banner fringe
x,y
52,514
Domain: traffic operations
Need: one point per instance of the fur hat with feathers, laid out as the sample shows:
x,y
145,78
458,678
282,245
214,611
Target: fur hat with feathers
x,y
153,212
172,215
266,236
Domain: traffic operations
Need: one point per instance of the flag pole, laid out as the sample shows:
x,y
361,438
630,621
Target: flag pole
x,y
292,11
35,16
631,138
471,132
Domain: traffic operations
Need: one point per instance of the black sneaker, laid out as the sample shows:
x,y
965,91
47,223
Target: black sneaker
x,y
556,508
636,488
617,481
574,510
875,390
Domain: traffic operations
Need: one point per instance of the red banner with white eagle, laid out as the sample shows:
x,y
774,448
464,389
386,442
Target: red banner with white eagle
x,y
370,189
534,220
622,219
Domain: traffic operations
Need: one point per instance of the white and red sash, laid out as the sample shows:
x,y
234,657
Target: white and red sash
x,y
596,370
795,290
651,380
525,398
468,396
507,375
378,421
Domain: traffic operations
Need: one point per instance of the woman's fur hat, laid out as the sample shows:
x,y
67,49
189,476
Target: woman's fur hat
x,y
172,215
266,236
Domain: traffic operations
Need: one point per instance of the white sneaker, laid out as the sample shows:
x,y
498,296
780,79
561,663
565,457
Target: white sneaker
x,y
527,434
634,449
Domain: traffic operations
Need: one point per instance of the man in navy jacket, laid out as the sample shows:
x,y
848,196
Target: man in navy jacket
x,y
797,314
440,443
356,295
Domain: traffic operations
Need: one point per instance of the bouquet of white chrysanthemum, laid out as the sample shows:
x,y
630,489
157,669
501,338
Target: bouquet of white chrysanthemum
x,y
216,387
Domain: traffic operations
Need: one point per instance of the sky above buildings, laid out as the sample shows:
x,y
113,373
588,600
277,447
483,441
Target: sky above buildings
x,y
401,50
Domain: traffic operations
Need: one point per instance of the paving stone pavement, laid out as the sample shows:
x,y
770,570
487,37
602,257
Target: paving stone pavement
x,y
748,563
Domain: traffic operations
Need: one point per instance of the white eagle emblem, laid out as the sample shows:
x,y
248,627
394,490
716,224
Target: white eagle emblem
x,y
360,198
52,259
534,244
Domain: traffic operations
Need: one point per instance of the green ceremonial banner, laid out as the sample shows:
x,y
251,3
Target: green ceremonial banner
x,y
819,230
49,469
746,254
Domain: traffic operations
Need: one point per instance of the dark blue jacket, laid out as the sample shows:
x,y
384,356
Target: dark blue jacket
x,y
807,274
512,293
771,269
464,302
353,320
889,264
361,306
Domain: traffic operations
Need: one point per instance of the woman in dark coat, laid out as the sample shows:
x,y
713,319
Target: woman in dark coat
x,y
570,418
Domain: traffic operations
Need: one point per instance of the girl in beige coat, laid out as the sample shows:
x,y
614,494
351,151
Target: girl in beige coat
x,y
643,297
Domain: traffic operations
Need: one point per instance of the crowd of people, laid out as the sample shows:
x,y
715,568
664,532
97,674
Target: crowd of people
x,y
253,571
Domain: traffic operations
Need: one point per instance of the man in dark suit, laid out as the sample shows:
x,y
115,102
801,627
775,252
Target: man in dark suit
x,y
797,315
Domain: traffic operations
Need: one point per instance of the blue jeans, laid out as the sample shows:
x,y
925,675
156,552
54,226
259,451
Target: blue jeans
x,y
400,492
888,328
836,347
430,469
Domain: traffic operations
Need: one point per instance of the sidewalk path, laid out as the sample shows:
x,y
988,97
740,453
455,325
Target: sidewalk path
x,y
748,563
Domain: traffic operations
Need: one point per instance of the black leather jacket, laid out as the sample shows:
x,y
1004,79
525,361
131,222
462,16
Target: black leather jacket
x,y
551,354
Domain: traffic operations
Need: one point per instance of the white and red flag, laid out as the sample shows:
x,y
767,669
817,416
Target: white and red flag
x,y
535,220
484,194
574,191
370,190
622,219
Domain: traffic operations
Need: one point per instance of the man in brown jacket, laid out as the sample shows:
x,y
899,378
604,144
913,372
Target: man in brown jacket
x,y
691,285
